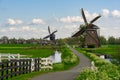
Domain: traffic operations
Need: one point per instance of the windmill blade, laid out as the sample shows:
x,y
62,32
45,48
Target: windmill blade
x,y
95,19
80,32
54,32
83,15
49,30
46,37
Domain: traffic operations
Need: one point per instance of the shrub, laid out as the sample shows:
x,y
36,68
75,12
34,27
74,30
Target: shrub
x,y
87,74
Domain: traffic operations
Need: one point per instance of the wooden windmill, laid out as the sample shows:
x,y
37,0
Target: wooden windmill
x,y
51,36
89,31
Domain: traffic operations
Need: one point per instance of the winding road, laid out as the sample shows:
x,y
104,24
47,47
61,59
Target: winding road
x,y
69,74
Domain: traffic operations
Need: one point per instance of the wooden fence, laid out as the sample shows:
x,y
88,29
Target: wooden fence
x,y
13,68
9,56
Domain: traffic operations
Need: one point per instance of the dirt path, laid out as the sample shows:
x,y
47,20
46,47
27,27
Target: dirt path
x,y
67,75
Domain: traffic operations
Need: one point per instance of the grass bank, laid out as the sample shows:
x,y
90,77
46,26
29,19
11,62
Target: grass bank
x,y
105,70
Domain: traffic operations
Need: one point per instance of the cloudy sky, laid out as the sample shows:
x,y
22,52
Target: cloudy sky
x,y
30,18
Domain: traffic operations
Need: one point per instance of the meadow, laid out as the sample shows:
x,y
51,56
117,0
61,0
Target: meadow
x,y
104,49
31,50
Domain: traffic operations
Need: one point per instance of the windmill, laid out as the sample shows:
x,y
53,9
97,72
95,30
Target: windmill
x,y
51,36
89,32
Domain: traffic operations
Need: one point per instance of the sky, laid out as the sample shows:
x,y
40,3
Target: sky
x,y
31,18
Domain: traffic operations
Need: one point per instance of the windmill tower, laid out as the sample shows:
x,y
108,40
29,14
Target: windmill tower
x,y
51,36
89,31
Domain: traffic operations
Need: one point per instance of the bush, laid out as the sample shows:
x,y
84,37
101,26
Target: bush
x,y
87,74
91,46
105,72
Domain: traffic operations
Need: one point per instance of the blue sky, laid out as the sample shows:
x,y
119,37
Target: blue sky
x,y
30,18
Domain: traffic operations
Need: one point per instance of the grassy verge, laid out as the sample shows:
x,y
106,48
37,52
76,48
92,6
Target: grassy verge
x,y
105,70
28,76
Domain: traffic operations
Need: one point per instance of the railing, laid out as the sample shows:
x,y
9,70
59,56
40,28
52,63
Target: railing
x,y
9,56
15,67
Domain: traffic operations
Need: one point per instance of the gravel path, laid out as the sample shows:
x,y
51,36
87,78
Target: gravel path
x,y
67,75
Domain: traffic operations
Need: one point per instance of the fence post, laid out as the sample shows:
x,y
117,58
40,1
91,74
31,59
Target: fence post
x,y
0,58
2,73
11,64
20,66
23,66
7,69
32,64
39,64
29,65
15,65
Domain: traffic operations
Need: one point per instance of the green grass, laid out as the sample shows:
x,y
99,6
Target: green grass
x,y
34,51
18,45
104,49
28,76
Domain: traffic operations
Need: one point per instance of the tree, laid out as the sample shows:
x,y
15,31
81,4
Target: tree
x,y
111,40
5,40
117,41
103,40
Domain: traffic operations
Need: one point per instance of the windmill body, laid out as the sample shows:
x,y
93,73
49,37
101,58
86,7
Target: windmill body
x,y
92,37
90,32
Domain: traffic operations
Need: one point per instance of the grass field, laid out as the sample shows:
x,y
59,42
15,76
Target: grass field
x,y
104,49
31,50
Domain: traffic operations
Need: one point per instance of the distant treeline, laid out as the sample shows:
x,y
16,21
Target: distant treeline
x,y
111,40
79,40
6,40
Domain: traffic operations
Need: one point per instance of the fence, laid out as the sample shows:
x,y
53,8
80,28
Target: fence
x,y
10,56
14,67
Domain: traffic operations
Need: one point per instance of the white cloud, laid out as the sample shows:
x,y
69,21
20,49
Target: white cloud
x,y
107,32
28,28
37,21
71,19
12,29
71,27
3,30
116,13
106,12
14,22
19,21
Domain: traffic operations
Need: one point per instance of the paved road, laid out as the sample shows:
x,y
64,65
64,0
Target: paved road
x,y
67,75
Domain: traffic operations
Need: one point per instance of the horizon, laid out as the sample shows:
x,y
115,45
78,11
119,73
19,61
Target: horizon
x,y
30,19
